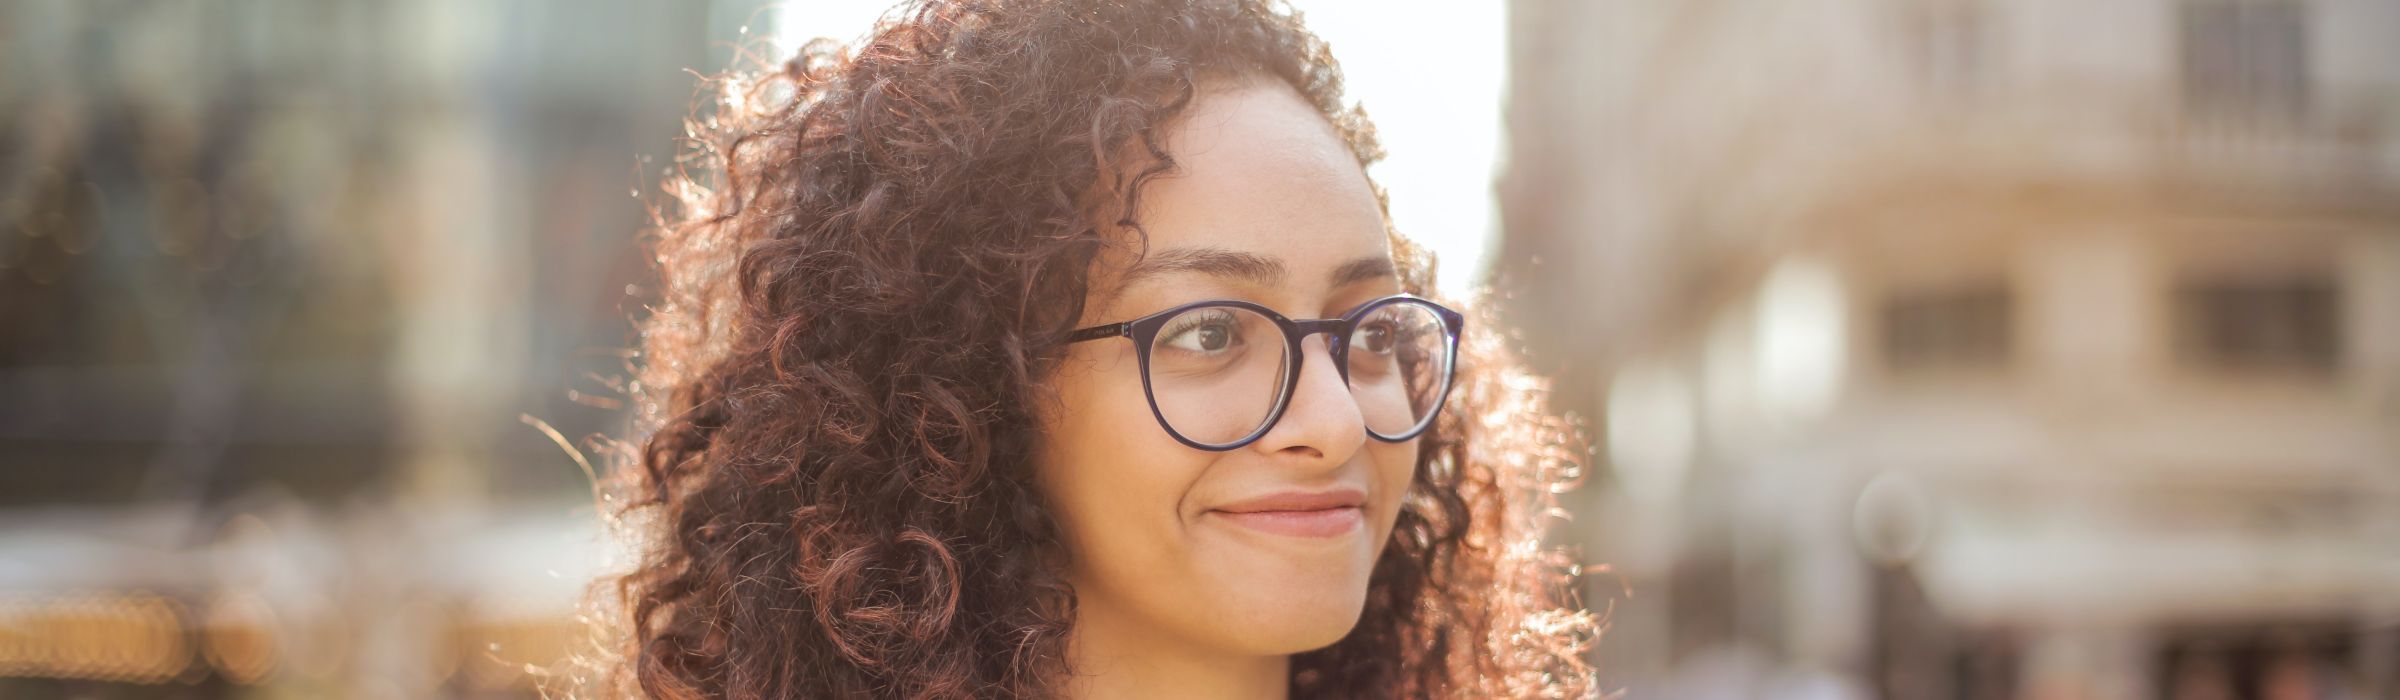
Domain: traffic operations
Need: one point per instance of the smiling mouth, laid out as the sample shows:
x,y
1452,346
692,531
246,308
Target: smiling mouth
x,y
1312,515
1328,522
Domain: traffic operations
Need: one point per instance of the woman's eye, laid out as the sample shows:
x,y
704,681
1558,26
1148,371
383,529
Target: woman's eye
x,y
1208,333
1376,337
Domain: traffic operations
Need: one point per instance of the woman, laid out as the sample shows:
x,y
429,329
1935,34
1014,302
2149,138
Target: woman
x,y
1045,348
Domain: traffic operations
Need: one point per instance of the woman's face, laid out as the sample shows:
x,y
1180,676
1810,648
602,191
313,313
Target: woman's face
x,y
1201,548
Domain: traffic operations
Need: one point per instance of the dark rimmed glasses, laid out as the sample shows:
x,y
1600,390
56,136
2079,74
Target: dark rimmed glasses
x,y
1220,373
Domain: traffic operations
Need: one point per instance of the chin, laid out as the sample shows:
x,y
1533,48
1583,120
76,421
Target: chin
x,y
1299,621
1311,637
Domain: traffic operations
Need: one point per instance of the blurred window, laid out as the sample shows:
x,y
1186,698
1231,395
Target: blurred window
x,y
1960,328
1945,43
2244,59
2245,324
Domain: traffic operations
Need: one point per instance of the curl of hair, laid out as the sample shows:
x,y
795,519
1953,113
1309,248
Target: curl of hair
x,y
871,260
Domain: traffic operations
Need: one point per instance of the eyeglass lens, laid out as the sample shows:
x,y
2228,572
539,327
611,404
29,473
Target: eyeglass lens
x,y
1218,372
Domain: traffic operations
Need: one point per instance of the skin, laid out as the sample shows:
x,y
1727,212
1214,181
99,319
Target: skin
x,y
1176,599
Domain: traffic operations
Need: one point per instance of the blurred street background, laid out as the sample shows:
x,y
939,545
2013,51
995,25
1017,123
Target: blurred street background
x,y
1972,349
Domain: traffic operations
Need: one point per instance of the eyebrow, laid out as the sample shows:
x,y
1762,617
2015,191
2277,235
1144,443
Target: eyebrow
x,y
1363,269
1215,262
1249,267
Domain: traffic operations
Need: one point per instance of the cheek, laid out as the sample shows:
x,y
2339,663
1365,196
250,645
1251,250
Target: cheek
x,y
1395,467
1115,481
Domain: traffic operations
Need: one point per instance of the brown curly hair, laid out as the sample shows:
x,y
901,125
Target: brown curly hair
x,y
872,259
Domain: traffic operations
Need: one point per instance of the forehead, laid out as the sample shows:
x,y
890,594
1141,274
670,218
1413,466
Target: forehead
x,y
1259,170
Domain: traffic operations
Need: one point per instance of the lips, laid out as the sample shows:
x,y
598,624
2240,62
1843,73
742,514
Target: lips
x,y
1298,514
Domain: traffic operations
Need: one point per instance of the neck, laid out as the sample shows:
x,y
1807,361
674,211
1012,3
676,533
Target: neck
x,y
1117,657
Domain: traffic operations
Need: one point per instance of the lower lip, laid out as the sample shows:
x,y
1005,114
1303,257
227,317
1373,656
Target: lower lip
x,y
1330,522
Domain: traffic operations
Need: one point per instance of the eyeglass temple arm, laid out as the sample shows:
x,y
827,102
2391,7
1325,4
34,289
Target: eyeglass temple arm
x,y
1098,332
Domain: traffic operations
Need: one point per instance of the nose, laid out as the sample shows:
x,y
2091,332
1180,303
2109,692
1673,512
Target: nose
x,y
1322,423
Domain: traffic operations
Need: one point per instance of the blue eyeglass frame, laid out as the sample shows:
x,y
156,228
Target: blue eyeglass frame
x,y
1144,332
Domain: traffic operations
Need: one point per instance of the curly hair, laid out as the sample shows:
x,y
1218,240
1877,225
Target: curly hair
x,y
871,261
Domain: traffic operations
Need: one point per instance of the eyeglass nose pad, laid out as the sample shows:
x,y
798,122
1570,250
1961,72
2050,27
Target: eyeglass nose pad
x,y
1337,348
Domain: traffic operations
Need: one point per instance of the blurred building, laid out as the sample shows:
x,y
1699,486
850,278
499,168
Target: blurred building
x,y
277,280
1973,349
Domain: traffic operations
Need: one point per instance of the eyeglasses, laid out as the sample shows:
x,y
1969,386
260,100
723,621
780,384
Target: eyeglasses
x,y
1220,373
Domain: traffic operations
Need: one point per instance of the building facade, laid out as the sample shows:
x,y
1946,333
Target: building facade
x,y
1965,349
277,281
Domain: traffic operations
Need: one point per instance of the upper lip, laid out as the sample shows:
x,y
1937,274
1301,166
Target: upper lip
x,y
1298,501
